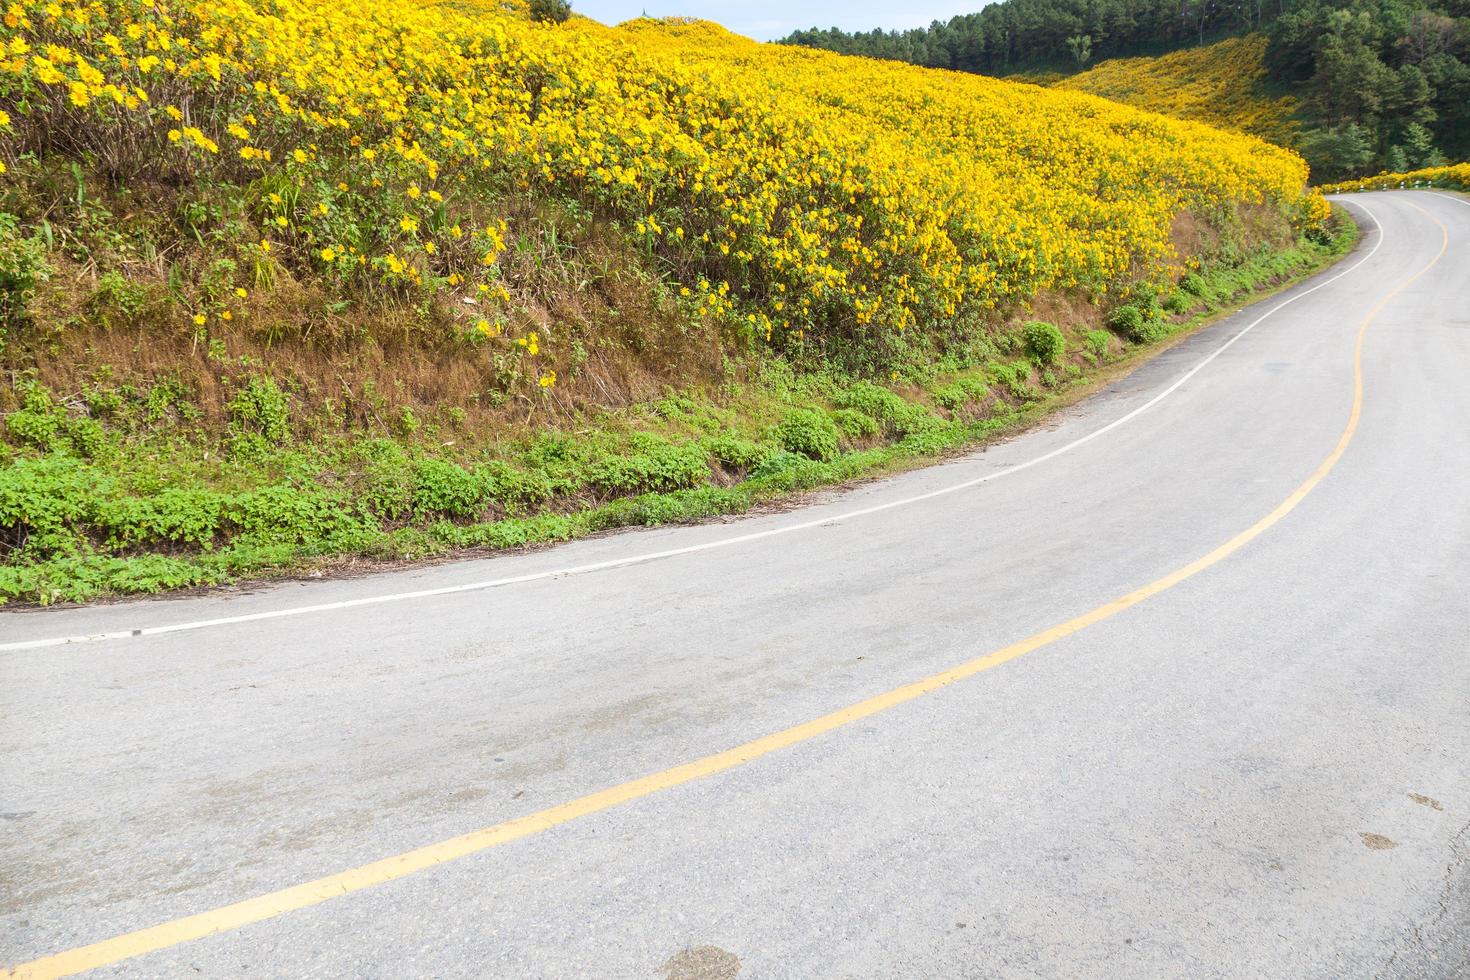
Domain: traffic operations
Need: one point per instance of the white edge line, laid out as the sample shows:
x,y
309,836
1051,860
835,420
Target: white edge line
x,y
1448,197
708,545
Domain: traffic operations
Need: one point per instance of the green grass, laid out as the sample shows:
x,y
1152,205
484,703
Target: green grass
x,y
115,490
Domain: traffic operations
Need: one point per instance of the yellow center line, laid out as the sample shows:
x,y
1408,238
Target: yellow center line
x,y
310,893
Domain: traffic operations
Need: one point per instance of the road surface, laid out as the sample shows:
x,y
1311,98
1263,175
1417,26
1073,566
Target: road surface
x,y
1178,685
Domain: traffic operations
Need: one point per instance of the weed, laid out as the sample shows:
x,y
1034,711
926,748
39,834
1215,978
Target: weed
x,y
261,409
447,489
654,465
734,452
117,300
856,424
23,266
810,432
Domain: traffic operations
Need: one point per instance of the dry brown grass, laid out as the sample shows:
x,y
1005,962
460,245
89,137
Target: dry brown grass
x,y
606,328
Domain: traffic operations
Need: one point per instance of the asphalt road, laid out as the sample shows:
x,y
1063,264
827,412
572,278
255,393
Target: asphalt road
x,y
1256,767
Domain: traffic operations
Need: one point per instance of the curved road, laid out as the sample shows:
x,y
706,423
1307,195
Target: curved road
x,y
1187,697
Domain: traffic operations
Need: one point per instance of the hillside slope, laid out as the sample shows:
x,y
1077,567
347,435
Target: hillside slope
x,y
293,279
1221,84
1380,84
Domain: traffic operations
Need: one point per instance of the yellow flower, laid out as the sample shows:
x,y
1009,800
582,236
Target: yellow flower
x,y
226,315
200,319
240,292
928,198
548,379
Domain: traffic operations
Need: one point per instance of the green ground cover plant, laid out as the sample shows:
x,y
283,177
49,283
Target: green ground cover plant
x,y
121,488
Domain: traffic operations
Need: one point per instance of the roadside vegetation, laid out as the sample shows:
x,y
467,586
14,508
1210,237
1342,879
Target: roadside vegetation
x,y
126,487
1455,177
296,283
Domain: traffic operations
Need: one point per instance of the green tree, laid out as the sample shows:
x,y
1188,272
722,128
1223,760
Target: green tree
x,y
1339,152
1080,47
1419,145
550,11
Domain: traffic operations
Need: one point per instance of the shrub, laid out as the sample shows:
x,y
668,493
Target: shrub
x,y
810,432
286,514
791,471
38,422
900,417
1016,379
45,502
388,480
1194,284
1127,321
176,515
873,400
442,487
117,300
734,452
22,267
515,489
961,392
1100,342
261,408
855,424
652,464
1044,342
87,436
1138,324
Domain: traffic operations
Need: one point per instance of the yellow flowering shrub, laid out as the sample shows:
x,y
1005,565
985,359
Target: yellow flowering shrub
x,y
1219,84
792,191
1454,176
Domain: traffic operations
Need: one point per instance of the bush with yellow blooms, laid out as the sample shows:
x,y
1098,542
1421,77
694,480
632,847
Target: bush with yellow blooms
x,y
1454,177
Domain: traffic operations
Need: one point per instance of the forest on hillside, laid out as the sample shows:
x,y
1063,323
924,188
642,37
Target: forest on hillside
x,y
1382,84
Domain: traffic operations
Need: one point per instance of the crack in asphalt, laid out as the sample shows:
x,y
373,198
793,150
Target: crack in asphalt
x,y
1459,854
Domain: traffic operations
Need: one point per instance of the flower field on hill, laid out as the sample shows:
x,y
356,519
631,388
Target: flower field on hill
x,y
285,283
793,192
1218,84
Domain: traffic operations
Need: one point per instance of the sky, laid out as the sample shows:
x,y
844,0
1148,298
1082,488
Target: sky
x,y
766,20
